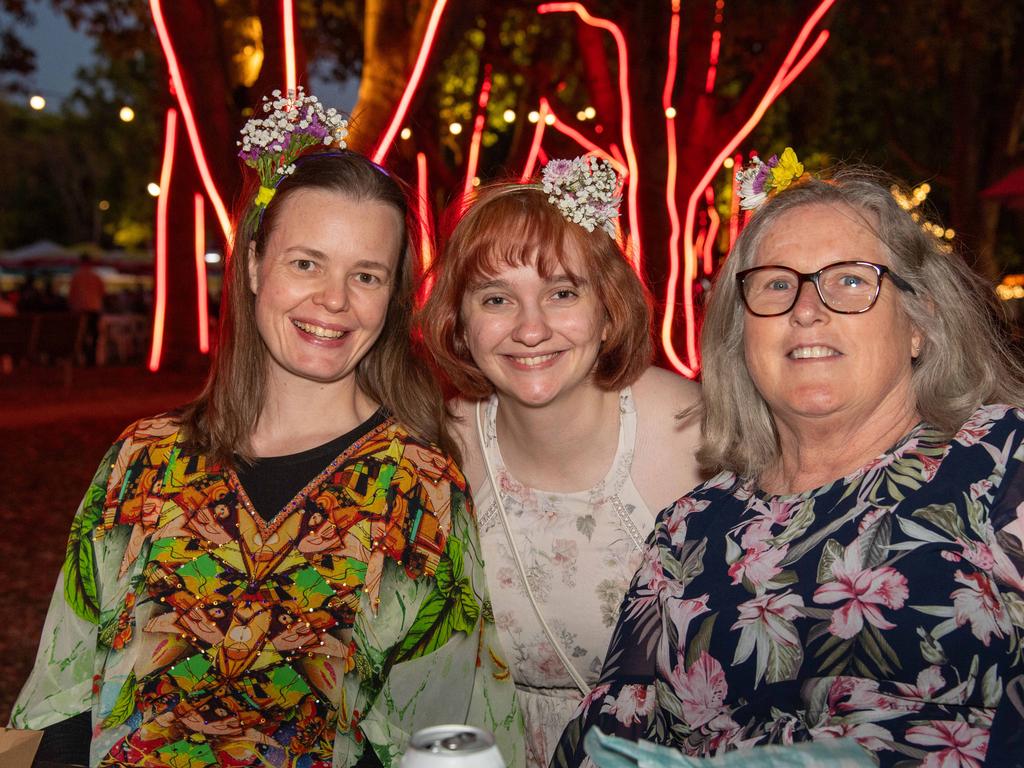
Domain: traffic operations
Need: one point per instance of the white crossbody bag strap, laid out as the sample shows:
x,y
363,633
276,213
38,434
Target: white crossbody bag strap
x,y
573,673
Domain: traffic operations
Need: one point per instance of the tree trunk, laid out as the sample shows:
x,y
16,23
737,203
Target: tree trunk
x,y
389,51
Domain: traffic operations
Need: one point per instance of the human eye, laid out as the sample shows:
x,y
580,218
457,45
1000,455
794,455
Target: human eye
x,y
304,265
494,301
851,278
770,281
563,294
367,278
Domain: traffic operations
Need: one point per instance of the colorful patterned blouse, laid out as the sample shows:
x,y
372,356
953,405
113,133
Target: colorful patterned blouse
x,y
887,606
199,634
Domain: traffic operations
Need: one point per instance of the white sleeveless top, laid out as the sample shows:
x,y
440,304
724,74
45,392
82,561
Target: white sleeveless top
x,y
580,551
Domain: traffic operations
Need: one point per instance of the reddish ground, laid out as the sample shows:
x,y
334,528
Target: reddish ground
x,y
51,440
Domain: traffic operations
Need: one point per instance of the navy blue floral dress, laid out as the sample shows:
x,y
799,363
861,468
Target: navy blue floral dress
x,y
887,606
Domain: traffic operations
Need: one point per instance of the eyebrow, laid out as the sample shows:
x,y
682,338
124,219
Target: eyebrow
x,y
499,284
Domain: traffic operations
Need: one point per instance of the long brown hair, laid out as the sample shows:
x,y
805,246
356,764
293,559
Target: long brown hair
x,y
220,422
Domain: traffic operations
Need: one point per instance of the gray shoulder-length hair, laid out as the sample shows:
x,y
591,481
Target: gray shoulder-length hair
x,y
965,359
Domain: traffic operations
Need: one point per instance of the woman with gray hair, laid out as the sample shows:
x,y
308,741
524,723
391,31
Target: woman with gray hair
x,y
855,569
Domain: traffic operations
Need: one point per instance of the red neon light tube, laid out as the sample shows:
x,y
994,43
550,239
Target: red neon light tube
x,y
627,120
806,59
202,296
734,205
190,124
562,127
160,275
716,42
769,97
288,24
538,136
414,81
423,198
478,131
714,220
671,175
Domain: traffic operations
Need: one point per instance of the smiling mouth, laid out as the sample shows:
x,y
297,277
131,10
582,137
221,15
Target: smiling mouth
x,y
319,331
809,353
530,362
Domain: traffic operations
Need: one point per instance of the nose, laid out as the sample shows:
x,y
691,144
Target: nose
x,y
809,307
332,296
531,326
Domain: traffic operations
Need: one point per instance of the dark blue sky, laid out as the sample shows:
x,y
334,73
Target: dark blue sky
x,y
60,51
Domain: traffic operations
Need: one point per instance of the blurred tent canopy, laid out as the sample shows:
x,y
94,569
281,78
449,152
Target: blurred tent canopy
x,y
1009,189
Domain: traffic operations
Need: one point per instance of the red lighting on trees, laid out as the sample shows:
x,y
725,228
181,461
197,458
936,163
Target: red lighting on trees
x,y
716,42
181,94
538,136
714,220
202,296
627,130
478,131
423,199
288,29
160,276
788,71
564,128
429,36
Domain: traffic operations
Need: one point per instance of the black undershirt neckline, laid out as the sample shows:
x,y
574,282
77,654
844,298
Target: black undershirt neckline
x,y
272,482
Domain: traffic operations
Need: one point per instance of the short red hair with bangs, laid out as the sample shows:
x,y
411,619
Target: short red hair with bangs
x,y
513,225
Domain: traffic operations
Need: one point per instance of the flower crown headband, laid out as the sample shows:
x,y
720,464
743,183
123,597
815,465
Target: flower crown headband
x,y
584,190
271,144
759,180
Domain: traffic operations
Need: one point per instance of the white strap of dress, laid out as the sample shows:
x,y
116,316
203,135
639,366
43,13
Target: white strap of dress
x,y
573,673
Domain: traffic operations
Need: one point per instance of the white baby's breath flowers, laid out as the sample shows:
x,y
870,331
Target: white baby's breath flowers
x,y
293,122
585,191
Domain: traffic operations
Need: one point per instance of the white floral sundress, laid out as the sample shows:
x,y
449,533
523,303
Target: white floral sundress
x,y
580,551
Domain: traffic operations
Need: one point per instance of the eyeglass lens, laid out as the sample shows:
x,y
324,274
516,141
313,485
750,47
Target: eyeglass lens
x,y
843,287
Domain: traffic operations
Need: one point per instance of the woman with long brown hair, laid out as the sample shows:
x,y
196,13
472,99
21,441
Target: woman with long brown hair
x,y
286,571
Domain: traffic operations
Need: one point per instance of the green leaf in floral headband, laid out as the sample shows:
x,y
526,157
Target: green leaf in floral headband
x,y
758,180
585,191
293,123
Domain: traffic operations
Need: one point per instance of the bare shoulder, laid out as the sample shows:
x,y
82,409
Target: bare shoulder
x,y
661,395
665,466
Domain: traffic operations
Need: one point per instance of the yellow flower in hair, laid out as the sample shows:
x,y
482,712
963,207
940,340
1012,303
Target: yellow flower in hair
x,y
787,171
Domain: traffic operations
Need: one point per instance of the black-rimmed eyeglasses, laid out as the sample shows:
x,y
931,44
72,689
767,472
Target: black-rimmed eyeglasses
x,y
846,287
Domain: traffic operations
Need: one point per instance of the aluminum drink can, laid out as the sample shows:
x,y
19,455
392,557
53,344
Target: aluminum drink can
x,y
452,746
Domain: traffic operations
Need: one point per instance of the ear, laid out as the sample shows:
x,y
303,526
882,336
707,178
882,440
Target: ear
x,y
916,341
254,269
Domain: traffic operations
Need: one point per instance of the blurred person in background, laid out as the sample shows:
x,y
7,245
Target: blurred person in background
x,y
85,297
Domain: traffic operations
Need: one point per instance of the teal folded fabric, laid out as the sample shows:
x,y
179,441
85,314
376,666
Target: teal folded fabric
x,y
614,752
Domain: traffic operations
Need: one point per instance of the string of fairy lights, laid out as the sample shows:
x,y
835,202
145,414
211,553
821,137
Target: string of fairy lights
x,y
913,201
1011,287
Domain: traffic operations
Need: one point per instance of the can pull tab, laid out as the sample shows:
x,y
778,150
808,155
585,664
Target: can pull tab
x,y
453,743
